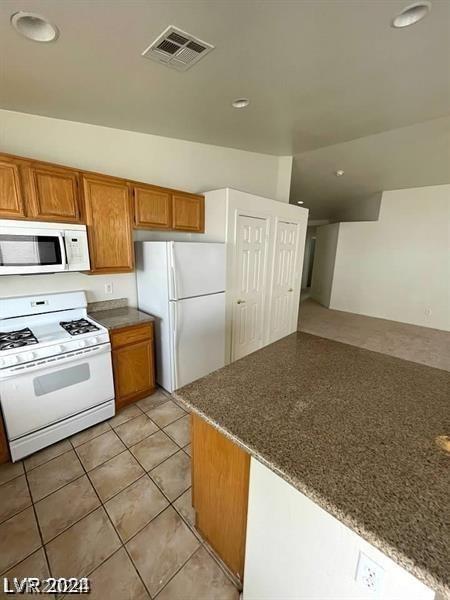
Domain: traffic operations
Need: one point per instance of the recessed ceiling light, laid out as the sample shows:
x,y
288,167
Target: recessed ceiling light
x,y
240,103
412,14
300,202
34,27
339,173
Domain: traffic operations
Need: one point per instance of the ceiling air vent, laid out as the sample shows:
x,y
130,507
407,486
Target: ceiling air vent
x,y
177,49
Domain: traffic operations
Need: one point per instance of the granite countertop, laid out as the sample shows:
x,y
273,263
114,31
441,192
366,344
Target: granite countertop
x,y
115,318
352,429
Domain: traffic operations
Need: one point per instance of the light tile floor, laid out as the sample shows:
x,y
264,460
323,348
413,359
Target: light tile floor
x,y
113,503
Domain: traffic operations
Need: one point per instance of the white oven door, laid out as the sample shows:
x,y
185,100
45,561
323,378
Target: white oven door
x,y
39,396
28,250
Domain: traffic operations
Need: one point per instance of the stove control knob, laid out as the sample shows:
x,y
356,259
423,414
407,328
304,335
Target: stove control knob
x,y
82,343
94,341
29,356
13,360
2,362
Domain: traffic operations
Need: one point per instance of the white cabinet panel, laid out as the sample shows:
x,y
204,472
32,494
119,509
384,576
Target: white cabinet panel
x,y
295,550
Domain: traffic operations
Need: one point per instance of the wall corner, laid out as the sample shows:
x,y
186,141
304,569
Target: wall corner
x,y
283,187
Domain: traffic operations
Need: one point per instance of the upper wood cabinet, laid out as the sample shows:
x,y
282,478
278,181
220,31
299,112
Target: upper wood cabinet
x,y
12,203
108,217
188,212
110,206
54,193
152,207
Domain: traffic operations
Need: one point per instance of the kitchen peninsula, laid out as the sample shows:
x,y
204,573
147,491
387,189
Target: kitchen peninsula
x,y
332,451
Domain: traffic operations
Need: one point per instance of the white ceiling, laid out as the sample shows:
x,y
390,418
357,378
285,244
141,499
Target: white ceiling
x,y
317,72
413,156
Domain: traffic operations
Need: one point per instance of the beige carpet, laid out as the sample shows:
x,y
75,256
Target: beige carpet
x,y
419,344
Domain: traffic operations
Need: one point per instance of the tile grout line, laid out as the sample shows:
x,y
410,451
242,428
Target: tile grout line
x,y
126,447
62,486
178,570
47,461
159,487
122,544
102,504
37,524
170,504
27,555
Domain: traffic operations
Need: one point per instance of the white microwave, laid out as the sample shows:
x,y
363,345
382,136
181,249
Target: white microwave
x,y
37,247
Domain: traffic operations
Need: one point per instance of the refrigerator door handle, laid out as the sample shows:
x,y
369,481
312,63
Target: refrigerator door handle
x,y
173,276
174,311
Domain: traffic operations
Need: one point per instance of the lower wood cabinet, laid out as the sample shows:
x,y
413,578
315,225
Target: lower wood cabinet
x,y
133,363
4,447
220,480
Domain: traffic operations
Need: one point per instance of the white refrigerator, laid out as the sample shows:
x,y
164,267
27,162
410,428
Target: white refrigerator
x,y
182,284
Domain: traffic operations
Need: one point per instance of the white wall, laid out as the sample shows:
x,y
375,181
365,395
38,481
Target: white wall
x,y
124,285
363,209
399,267
295,550
149,158
324,258
162,161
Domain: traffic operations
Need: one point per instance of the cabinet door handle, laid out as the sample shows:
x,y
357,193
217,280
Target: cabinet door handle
x,y
290,289
240,302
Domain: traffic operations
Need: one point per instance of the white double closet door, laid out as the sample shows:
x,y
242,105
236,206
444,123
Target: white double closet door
x,y
249,289
285,281
265,282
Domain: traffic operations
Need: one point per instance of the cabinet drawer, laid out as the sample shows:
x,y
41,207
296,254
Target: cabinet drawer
x,y
131,335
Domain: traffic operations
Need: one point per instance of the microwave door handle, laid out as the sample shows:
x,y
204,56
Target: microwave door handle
x,y
62,245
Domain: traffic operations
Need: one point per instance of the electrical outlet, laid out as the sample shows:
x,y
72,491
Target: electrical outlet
x,y
369,574
108,288
428,311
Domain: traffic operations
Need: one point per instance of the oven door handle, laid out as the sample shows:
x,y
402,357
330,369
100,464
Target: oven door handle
x,y
54,361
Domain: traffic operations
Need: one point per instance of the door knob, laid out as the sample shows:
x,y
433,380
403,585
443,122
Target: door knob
x,y
241,302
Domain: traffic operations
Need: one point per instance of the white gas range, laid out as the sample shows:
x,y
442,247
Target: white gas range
x,y
55,370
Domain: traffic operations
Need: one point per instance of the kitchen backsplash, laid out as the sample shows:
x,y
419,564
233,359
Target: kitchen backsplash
x,y
97,287
107,304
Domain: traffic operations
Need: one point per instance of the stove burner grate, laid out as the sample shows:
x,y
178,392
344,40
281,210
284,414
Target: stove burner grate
x,y
79,326
17,339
